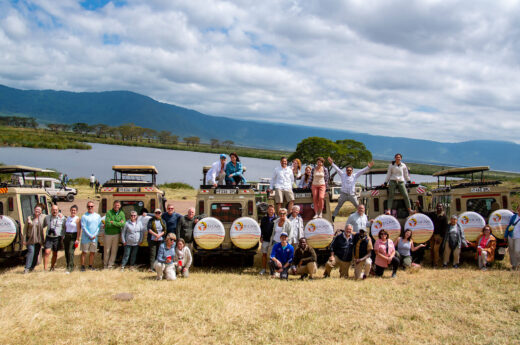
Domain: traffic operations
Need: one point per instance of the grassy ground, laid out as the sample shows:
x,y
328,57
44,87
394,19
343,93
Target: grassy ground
x,y
237,306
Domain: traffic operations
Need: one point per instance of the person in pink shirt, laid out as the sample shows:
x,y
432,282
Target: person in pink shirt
x,y
385,254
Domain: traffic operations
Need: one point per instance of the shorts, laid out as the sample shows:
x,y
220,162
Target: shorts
x,y
265,247
89,247
280,195
53,243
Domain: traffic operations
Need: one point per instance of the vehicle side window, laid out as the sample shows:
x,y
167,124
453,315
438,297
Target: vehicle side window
x,y
402,211
482,206
58,185
28,203
43,201
47,184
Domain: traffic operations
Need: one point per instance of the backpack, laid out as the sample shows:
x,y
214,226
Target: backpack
x,y
511,226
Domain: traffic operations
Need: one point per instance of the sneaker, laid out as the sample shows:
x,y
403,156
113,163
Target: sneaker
x,y
364,276
67,272
311,278
315,216
484,268
262,272
456,266
122,268
325,275
51,269
303,276
277,274
394,275
26,271
82,269
158,278
445,266
91,268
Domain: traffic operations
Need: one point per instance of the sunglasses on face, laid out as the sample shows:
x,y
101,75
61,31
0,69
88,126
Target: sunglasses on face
x,y
283,214
90,206
157,212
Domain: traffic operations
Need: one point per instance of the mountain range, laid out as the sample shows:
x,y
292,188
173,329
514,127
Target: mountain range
x,y
118,107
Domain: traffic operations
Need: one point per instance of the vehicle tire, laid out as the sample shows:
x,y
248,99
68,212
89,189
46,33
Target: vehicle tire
x,y
70,197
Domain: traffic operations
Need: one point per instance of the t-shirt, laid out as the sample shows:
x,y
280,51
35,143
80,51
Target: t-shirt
x,y
319,177
277,231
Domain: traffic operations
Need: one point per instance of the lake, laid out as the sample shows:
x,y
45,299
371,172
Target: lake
x,y
173,165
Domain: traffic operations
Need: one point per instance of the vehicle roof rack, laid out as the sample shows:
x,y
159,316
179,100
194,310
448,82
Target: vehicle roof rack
x,y
461,171
135,169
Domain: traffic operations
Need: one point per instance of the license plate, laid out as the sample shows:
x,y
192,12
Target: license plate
x,y
225,191
502,251
128,189
480,189
302,195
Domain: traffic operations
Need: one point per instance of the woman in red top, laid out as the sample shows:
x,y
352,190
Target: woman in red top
x,y
486,245
385,254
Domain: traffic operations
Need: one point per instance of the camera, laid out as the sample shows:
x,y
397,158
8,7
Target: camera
x,y
52,232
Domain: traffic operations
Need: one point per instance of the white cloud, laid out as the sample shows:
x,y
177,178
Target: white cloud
x,y
384,67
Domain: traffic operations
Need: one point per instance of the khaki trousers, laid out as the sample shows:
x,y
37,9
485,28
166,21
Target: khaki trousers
x,y
447,252
514,251
309,269
111,244
344,267
363,267
435,245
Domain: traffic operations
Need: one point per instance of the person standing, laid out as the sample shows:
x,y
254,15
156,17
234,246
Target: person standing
x,y
234,171
319,184
266,230
305,260
97,186
33,239
362,252
348,185
183,258
385,254
440,225
296,222
65,179
164,266
171,218
114,222
340,253
156,231
281,257
90,224
72,236
92,180
132,236
55,224
453,241
396,177
185,227
358,220
281,183
216,176
513,239
281,225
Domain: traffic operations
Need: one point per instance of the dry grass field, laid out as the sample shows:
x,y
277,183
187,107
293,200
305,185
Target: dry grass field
x,y
237,306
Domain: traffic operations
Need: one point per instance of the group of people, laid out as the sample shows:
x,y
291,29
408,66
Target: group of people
x,y
169,236
222,173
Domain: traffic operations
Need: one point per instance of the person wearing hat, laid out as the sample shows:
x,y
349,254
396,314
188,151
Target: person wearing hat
x,y
362,250
216,176
453,241
156,231
304,260
281,257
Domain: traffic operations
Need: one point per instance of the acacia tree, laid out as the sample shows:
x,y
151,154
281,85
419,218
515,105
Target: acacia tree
x,y
214,142
227,143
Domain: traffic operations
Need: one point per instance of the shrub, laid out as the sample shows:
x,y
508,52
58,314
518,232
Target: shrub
x,y
175,185
80,181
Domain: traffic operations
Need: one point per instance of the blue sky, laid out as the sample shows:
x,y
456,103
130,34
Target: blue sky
x,y
440,70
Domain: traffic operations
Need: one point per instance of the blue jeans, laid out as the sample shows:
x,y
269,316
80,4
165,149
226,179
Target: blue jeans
x,y
130,252
33,250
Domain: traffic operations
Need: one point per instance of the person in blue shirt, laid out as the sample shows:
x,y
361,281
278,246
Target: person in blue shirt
x,y
90,224
234,171
281,257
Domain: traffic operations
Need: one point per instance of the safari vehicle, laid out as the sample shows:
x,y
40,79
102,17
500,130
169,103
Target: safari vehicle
x,y
261,189
227,204
54,187
473,193
135,187
335,191
18,197
375,198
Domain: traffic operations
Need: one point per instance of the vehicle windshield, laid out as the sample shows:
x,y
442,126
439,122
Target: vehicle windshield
x,y
402,211
482,206
129,206
226,212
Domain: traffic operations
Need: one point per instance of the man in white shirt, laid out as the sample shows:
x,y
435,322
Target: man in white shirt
x,y
281,183
348,185
358,220
217,174
92,181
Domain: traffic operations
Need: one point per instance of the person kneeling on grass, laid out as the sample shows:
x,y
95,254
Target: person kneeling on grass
x,y
304,260
405,247
362,250
164,266
183,258
281,257
385,254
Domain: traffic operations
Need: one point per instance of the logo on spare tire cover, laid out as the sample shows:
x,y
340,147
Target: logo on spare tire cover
x,y
497,217
239,226
203,226
465,220
378,225
312,227
412,222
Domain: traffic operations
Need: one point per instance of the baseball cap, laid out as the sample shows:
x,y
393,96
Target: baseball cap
x,y
157,210
222,155
284,234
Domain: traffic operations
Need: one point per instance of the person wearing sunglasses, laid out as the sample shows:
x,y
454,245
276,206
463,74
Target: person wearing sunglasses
x,y
164,266
90,224
156,231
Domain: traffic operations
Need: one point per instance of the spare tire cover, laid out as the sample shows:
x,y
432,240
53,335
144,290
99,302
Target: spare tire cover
x,y
387,222
245,233
472,224
421,226
498,221
7,231
209,233
319,233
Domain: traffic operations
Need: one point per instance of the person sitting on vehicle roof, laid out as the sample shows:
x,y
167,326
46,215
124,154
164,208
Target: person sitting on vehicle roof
x,y
453,241
234,171
340,253
216,176
319,184
297,169
182,258
348,185
185,226
485,245
281,183
396,177
281,257
305,259
305,180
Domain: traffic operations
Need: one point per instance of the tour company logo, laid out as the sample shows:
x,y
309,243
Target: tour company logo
x,y
497,217
239,226
465,220
378,224
312,227
412,222
203,226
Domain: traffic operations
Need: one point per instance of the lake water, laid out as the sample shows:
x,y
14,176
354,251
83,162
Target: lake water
x,y
173,166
